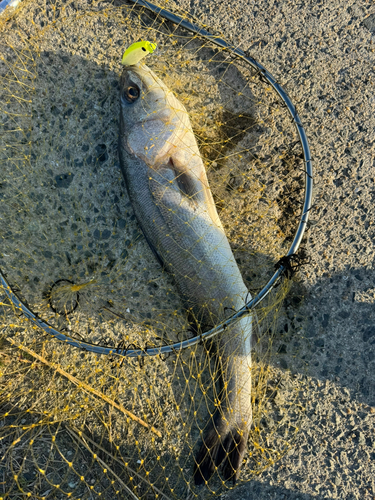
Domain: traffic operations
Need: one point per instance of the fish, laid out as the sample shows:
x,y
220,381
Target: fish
x,y
168,188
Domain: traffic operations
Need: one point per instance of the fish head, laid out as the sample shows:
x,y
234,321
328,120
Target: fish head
x,y
151,117
143,95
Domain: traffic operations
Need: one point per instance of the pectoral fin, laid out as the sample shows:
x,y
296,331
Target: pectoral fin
x,y
165,188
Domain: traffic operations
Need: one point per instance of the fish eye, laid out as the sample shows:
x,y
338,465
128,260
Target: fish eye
x,y
132,93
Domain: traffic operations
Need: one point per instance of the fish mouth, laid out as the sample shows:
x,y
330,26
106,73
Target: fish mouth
x,y
142,71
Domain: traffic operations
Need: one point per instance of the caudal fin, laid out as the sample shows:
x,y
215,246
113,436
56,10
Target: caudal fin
x,y
220,447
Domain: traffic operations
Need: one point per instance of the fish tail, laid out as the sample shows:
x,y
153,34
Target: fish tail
x,y
220,446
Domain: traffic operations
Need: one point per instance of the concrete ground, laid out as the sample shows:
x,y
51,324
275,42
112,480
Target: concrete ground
x,y
323,53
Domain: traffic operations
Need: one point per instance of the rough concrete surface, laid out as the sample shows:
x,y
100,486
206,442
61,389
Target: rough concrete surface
x,y
324,54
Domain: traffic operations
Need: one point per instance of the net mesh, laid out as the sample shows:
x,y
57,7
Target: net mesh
x,y
78,425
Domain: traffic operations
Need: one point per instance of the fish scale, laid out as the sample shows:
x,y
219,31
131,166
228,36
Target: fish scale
x,y
169,191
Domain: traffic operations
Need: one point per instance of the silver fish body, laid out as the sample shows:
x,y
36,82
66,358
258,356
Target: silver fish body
x,y
168,188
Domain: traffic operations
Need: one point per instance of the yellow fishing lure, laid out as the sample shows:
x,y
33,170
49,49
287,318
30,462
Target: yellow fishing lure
x,y
136,52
